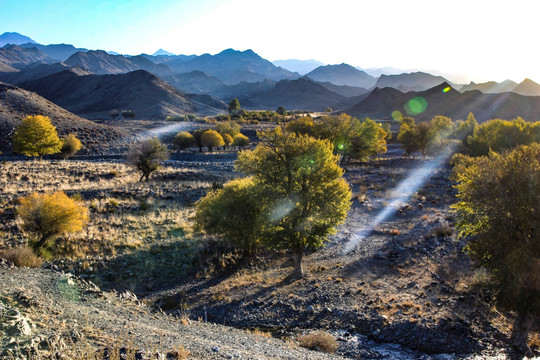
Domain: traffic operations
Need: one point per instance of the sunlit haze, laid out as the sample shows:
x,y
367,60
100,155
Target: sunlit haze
x,y
473,40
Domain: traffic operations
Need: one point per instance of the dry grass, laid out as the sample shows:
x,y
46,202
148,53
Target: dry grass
x,y
22,257
319,340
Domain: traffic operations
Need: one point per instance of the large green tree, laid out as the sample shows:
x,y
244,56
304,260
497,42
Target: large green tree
x,y
499,207
301,180
234,212
36,136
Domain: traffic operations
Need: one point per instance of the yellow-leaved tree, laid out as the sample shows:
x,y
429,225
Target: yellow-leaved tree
x,y
47,216
36,136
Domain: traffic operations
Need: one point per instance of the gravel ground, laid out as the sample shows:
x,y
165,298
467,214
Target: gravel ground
x,y
59,304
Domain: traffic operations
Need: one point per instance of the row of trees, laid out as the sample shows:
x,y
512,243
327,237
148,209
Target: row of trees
x,y
496,135
37,136
350,137
225,134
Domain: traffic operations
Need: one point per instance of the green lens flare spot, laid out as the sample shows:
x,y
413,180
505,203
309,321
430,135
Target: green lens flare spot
x,y
340,146
416,106
446,89
397,115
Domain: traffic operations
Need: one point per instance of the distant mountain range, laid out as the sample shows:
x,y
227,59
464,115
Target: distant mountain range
x,y
444,100
342,74
92,82
94,96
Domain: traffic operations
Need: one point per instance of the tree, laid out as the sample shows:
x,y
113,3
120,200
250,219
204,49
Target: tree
x,y
281,110
234,212
422,135
234,106
228,127
407,138
47,216
227,139
303,186
241,140
183,140
70,146
386,128
146,155
464,129
499,207
303,125
197,135
211,139
36,136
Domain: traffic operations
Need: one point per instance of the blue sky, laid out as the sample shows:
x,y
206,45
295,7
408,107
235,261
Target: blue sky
x,y
477,39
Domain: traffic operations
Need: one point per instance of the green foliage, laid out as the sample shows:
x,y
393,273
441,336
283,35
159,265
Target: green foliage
x,y
234,106
234,212
197,135
70,146
386,128
146,155
351,138
499,197
231,128
241,140
407,138
303,186
302,125
211,139
47,216
464,129
227,139
500,134
36,136
281,110
183,140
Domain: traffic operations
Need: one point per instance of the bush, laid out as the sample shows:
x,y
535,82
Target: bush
x,y
241,140
47,216
211,139
70,146
319,340
146,155
22,256
183,140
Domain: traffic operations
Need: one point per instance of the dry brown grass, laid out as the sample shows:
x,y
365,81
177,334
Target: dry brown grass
x,y
319,340
22,257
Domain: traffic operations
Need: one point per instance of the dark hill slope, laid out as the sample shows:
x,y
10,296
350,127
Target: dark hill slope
x,y
382,102
36,71
100,62
17,103
301,94
195,82
95,95
342,74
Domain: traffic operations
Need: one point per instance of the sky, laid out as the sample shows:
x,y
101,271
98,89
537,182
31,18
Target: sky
x,y
464,39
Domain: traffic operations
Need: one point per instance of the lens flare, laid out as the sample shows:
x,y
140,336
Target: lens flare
x,y
282,209
416,106
167,129
446,89
397,115
401,194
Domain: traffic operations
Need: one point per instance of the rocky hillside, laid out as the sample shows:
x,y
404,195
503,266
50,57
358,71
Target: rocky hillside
x,y
38,70
94,96
54,311
18,57
17,103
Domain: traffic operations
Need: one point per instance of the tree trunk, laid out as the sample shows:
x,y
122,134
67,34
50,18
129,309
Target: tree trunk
x,y
520,332
298,271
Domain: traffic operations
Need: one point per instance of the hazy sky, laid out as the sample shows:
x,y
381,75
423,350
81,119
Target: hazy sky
x,y
484,40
